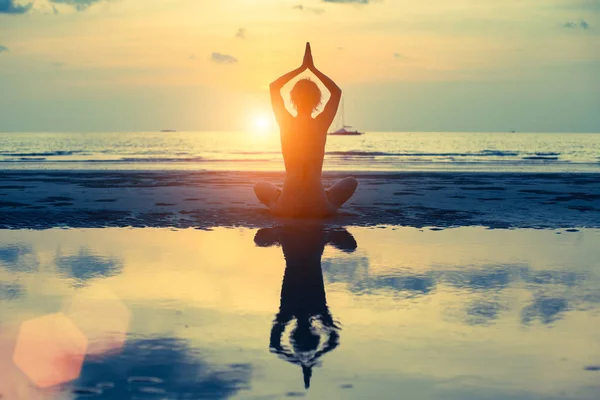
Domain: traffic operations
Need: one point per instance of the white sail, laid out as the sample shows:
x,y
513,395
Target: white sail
x,y
345,129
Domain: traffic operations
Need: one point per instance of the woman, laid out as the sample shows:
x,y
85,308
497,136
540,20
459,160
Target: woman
x,y
303,141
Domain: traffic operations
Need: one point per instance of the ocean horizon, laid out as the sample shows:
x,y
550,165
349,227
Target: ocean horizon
x,y
260,151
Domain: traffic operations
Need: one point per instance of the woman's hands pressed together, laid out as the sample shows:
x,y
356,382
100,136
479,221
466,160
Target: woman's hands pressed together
x,y
308,62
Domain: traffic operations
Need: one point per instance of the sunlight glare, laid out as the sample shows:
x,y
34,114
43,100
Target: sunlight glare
x,y
261,124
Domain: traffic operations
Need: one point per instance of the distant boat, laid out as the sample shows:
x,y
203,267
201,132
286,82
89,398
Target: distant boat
x,y
168,130
345,130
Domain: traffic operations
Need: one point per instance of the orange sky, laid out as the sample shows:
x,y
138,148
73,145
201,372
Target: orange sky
x,y
211,53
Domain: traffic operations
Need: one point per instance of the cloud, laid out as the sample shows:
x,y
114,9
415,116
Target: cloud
x,y
402,58
573,25
9,7
79,5
485,286
221,58
348,1
546,309
592,6
18,258
11,291
3,49
180,371
241,33
315,10
85,265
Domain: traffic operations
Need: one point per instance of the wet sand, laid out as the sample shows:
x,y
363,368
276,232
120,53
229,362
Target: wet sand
x,y
40,200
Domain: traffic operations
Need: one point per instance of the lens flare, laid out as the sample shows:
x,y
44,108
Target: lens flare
x,y
50,350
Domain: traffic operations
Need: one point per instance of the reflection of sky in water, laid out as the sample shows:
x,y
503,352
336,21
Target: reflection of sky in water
x,y
85,265
464,313
552,292
10,291
183,373
18,257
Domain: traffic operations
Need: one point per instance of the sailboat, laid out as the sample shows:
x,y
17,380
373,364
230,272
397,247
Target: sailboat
x,y
345,130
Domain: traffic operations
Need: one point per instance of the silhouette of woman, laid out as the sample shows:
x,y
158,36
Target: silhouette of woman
x,y
303,293
303,140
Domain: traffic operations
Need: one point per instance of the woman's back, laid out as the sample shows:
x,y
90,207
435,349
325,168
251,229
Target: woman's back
x,y
303,147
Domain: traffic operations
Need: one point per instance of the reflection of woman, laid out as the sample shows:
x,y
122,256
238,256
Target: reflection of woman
x,y
303,141
303,293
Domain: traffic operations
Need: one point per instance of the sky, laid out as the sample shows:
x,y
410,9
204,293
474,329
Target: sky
x,y
198,65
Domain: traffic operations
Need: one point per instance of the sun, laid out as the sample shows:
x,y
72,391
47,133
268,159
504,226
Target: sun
x,y
261,124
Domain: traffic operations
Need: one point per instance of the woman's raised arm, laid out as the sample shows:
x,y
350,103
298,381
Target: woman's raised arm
x,y
330,109
281,113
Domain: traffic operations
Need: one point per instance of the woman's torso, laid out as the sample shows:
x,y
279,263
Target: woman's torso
x,y
303,148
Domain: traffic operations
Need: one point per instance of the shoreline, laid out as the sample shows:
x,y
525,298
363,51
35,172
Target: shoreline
x,y
275,167
43,199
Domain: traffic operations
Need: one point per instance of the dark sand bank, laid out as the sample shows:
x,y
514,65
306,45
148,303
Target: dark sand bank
x,y
41,199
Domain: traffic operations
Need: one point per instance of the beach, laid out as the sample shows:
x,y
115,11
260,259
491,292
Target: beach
x,y
207,199
454,279
164,164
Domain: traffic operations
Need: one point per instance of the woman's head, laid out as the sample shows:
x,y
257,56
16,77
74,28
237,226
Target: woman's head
x,y
306,96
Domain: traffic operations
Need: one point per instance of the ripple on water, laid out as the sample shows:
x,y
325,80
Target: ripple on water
x,y
87,391
153,390
105,385
144,379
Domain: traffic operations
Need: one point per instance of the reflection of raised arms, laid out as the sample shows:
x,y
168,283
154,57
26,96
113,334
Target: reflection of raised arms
x,y
332,342
276,347
326,117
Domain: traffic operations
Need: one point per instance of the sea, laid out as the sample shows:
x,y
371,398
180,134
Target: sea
x,y
260,151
